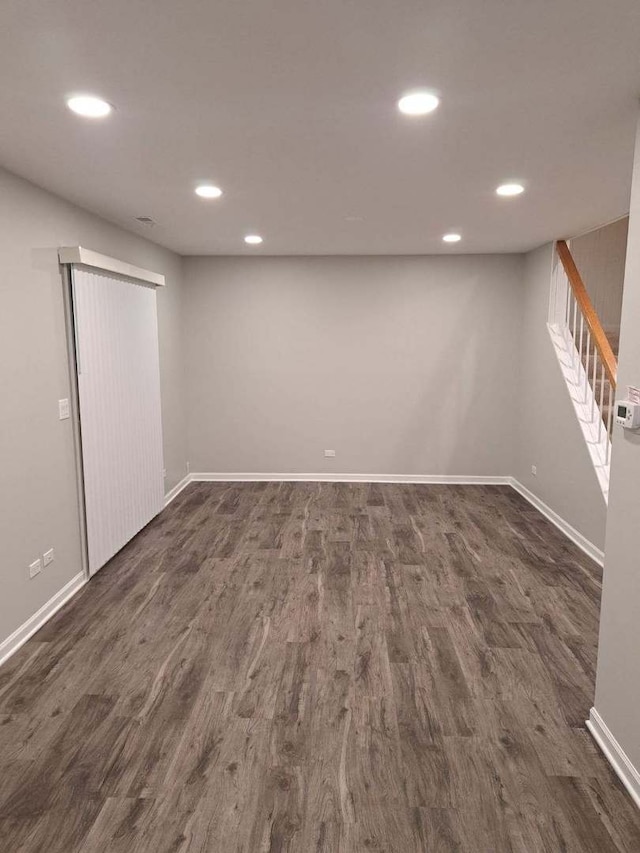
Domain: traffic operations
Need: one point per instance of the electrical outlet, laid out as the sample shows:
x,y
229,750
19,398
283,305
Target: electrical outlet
x,y
330,453
534,470
64,410
48,557
35,568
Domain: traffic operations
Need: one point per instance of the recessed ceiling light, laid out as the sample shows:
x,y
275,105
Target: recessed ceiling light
x,y
510,189
89,106
452,238
208,191
253,239
418,103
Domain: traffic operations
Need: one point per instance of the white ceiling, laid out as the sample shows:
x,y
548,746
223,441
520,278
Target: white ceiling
x,y
289,105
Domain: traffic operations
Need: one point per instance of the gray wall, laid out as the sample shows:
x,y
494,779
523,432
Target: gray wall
x,y
618,679
419,365
38,503
600,258
401,365
549,433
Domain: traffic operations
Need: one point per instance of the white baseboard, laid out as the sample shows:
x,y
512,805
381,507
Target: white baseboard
x,y
616,756
175,491
570,532
20,636
451,479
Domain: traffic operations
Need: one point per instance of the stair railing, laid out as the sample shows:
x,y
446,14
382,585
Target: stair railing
x,y
581,326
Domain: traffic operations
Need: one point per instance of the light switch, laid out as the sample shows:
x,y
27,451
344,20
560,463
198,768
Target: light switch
x,y
64,409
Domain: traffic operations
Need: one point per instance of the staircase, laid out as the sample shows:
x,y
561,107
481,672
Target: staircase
x,y
602,387
588,358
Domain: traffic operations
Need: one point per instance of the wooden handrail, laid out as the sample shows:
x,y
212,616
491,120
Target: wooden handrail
x,y
588,312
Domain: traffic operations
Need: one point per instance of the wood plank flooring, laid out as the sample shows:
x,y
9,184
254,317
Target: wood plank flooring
x,y
306,667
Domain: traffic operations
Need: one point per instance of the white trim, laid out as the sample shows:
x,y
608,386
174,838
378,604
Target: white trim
x,y
89,258
20,636
584,403
253,477
175,491
570,532
615,754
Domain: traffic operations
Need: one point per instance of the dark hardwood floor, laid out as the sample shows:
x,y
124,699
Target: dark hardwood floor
x,y
318,667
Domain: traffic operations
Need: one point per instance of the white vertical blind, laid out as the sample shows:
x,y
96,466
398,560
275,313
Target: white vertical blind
x,y
119,395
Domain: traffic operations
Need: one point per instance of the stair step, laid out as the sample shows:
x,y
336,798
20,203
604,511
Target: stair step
x,y
614,341
601,387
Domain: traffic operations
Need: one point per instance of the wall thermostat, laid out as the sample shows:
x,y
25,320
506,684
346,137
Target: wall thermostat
x,y
627,414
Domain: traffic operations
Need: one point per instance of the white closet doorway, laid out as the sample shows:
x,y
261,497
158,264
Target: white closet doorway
x,y
118,382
